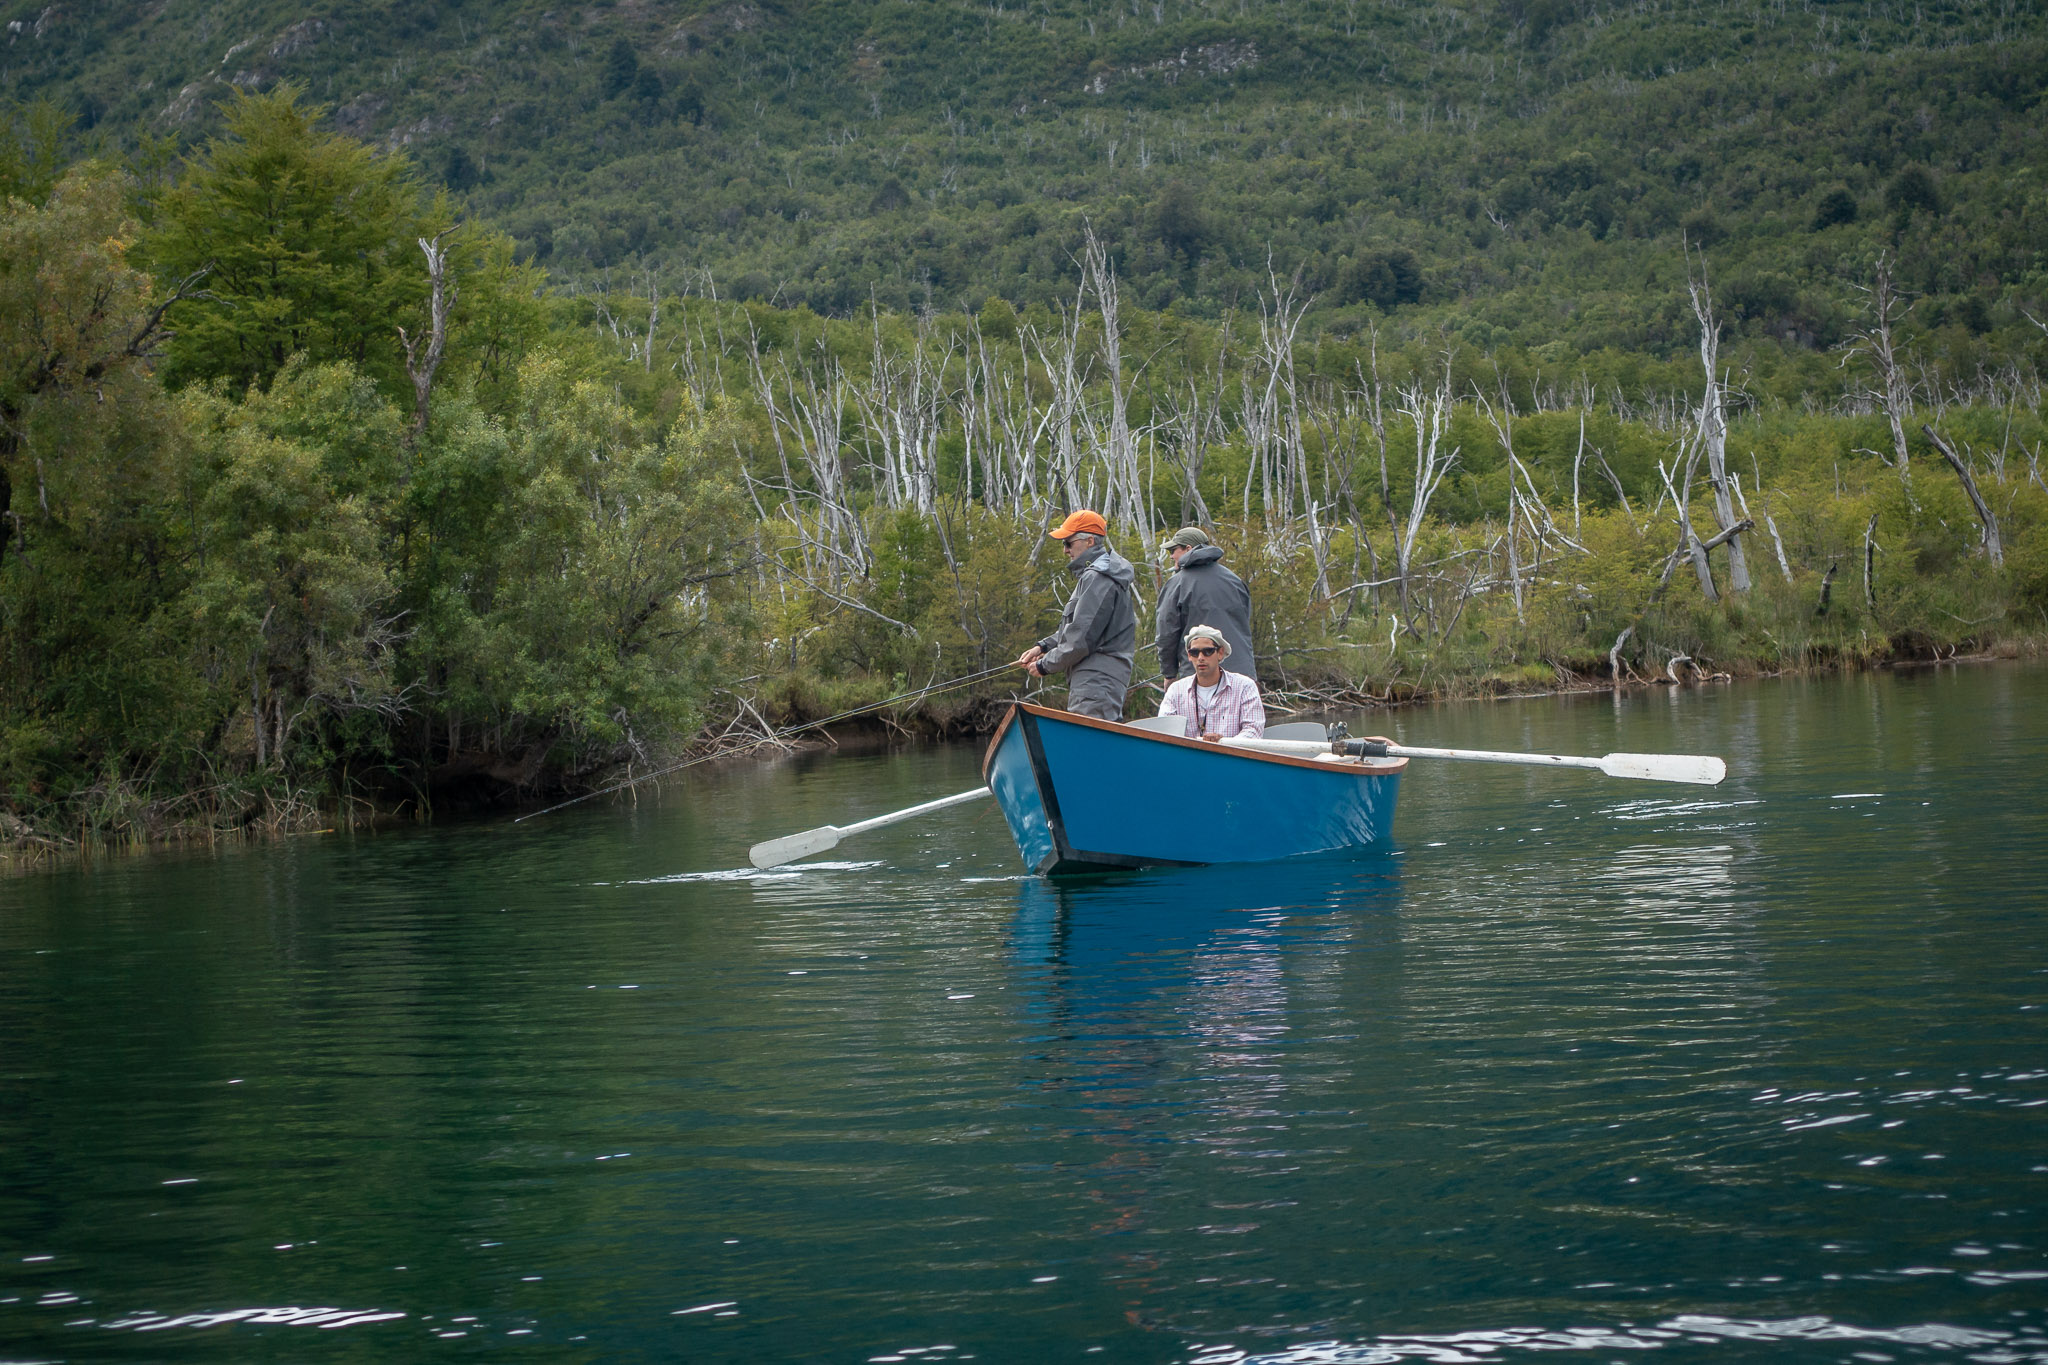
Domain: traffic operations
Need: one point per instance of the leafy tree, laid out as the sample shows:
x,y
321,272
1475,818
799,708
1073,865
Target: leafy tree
x,y
1913,189
890,197
583,615
1836,206
289,607
1177,219
499,313
91,543
458,171
1388,277
33,141
76,319
620,68
1703,227
309,239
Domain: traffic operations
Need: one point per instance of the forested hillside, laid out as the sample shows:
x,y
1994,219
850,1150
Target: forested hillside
x,y
1517,171
454,405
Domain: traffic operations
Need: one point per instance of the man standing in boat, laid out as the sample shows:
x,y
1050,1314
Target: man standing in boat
x,y
1098,635
1201,589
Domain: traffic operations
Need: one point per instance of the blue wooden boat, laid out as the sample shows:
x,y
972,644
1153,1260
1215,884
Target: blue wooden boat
x,y
1086,795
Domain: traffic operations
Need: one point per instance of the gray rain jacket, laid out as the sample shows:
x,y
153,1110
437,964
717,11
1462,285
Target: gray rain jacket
x,y
1098,635
1204,593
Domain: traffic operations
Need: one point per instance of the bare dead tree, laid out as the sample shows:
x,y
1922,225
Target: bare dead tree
x,y
1994,547
1578,459
1060,354
977,423
1020,428
1272,413
653,321
1190,426
1372,401
1689,542
1526,504
421,366
1329,413
1501,419
1126,499
1614,479
1713,428
1689,546
1429,408
1878,345
807,409
1777,541
1285,323
900,405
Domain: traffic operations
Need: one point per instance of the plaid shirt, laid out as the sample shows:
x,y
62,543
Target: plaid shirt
x,y
1236,710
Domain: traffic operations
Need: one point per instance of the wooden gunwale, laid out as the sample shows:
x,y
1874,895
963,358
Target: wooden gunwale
x,y
1384,767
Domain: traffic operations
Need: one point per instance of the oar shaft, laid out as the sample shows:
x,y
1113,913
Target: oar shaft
x,y
1490,756
1694,768
912,812
1372,748
1699,769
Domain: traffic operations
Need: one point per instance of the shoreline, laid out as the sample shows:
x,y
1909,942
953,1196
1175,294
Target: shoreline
x,y
24,850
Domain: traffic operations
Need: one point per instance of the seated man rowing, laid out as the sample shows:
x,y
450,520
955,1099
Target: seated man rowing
x,y
1217,703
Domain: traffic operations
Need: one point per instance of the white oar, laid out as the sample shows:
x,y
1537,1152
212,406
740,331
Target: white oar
x,y
1702,769
791,847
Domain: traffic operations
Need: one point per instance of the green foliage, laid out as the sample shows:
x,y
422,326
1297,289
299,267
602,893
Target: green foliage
x,y
302,242
1388,278
289,602
91,541
267,582
1836,206
1541,161
621,68
74,313
499,315
1177,219
582,572
1913,190
34,148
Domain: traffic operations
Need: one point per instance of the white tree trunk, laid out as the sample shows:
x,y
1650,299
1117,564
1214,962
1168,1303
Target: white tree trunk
x,y
1713,429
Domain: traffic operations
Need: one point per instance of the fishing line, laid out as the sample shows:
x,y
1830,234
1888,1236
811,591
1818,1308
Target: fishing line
x,y
932,689
928,691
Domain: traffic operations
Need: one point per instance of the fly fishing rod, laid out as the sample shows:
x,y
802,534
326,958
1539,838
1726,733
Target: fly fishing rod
x,y
931,689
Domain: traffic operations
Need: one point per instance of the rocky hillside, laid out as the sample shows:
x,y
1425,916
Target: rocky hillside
x,y
1522,171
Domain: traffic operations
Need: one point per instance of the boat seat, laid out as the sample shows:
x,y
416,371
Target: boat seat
x,y
1298,729
1161,725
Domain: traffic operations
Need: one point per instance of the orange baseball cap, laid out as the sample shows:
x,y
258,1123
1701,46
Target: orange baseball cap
x,y
1083,522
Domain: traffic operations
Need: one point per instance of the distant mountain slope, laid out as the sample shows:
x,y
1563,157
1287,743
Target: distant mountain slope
x,y
1522,170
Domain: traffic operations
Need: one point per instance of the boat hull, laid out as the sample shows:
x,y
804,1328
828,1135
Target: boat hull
x,y
1085,795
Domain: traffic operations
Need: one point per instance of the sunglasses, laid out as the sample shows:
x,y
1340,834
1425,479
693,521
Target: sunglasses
x,y
1201,653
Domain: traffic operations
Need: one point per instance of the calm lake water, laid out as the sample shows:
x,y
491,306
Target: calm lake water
x,y
1630,1071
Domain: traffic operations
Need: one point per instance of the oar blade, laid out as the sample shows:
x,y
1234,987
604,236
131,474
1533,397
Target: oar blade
x,y
792,848
1701,769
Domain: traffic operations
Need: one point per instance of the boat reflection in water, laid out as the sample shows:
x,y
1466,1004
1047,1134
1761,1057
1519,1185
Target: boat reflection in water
x,y
1222,954
1199,1030
1120,917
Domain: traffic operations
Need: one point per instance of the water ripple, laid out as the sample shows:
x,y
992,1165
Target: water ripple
x,y
1686,1330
